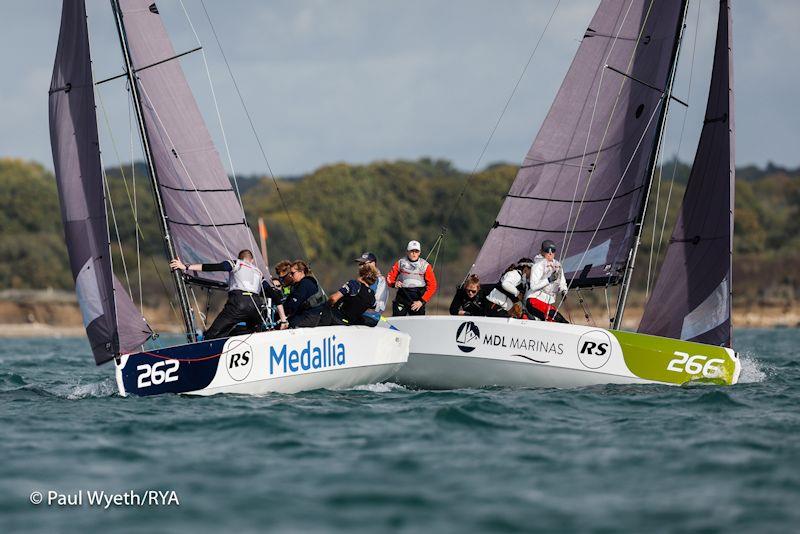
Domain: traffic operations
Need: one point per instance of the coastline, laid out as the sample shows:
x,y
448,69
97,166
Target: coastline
x,y
55,314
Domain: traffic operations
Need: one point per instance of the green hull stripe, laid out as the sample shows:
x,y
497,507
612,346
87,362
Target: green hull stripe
x,y
675,361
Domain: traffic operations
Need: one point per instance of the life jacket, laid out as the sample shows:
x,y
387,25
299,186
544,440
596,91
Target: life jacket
x,y
245,276
502,297
412,273
520,287
542,271
317,299
352,307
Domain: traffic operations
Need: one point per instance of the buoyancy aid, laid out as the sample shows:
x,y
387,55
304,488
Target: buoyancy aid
x,y
546,280
502,294
317,299
352,307
245,276
412,273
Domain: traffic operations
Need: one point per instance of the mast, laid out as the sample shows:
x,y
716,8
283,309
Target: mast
x,y
662,122
169,246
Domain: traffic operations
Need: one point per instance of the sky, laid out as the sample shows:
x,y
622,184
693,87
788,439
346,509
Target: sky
x,y
364,80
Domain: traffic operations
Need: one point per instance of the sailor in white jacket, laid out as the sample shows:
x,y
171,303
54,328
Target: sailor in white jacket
x,y
546,285
511,288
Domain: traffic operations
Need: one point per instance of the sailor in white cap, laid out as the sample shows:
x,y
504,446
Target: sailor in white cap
x,y
415,282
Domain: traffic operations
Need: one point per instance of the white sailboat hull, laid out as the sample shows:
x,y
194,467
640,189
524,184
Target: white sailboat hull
x,y
474,352
288,361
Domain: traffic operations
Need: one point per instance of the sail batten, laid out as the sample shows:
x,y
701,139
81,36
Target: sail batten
x,y
692,295
113,324
204,216
584,179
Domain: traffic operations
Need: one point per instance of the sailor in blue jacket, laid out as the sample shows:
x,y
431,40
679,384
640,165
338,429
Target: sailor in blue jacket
x,y
305,303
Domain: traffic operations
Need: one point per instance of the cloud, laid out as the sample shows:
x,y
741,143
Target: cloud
x,y
358,80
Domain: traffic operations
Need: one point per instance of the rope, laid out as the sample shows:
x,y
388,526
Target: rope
x,y
680,139
589,132
135,202
219,119
499,119
568,240
185,170
619,183
116,228
255,134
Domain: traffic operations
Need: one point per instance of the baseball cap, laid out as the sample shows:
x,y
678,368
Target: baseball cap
x,y
414,245
365,257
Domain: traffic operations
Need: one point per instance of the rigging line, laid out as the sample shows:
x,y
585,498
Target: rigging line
x,y
219,120
655,220
500,117
131,202
197,305
680,138
135,201
189,176
116,228
255,134
610,118
108,189
619,183
568,238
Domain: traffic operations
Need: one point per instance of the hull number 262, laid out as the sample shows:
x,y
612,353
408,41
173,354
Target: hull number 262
x,y
157,373
695,365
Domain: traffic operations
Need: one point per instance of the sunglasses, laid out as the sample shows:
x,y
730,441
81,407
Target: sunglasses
x,y
471,291
550,250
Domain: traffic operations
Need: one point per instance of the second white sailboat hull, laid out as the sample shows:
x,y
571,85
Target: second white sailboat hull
x,y
474,352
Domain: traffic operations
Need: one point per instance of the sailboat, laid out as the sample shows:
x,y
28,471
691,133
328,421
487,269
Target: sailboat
x,y
585,184
201,220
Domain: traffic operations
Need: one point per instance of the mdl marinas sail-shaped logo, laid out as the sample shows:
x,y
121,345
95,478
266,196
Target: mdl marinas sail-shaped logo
x,y
467,336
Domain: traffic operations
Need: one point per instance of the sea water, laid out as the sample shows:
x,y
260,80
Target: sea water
x,y
384,458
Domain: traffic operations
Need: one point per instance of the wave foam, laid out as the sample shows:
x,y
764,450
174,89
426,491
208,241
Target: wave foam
x,y
383,387
753,370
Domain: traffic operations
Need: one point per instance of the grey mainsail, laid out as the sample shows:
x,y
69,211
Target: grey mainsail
x,y
584,180
692,296
113,324
205,219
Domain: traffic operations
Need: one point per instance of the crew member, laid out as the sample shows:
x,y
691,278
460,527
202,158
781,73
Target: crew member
x,y
244,293
283,280
469,299
546,284
415,282
305,303
354,298
508,293
373,315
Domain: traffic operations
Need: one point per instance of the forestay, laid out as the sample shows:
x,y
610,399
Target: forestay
x,y
692,297
204,216
113,324
585,178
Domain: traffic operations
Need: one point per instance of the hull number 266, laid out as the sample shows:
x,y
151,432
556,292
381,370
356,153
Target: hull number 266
x,y
695,365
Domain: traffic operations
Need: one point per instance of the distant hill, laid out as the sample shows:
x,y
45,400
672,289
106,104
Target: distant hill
x,y
341,210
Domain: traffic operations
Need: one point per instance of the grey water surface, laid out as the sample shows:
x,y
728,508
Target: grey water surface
x,y
384,458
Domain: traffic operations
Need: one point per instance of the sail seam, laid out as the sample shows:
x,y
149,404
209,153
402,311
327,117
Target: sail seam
x,y
524,197
501,225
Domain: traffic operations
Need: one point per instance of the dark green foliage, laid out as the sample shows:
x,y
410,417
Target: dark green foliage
x,y
342,210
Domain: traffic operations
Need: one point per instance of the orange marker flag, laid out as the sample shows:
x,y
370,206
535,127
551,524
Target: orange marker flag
x,y
262,234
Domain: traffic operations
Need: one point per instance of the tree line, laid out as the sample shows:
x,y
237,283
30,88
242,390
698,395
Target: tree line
x,y
339,211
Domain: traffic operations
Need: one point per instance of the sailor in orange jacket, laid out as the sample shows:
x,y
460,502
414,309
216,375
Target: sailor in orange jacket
x,y
415,282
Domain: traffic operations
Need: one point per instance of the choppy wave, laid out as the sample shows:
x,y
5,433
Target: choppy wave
x,y
385,458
